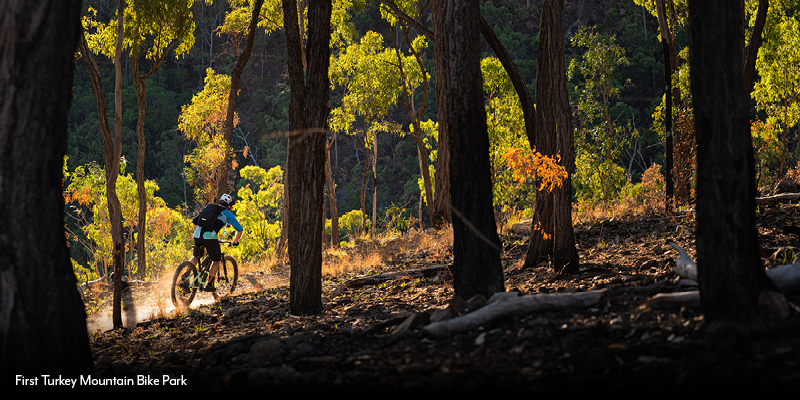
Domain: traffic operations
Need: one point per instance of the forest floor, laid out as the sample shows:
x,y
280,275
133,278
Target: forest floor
x,y
371,338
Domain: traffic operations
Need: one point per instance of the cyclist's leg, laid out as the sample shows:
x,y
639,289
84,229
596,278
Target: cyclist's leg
x,y
215,252
197,251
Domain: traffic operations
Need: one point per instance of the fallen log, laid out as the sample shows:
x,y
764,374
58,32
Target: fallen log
x,y
505,304
677,299
778,198
408,274
785,277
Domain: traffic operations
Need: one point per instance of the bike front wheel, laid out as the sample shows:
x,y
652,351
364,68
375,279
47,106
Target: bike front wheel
x,y
182,292
227,276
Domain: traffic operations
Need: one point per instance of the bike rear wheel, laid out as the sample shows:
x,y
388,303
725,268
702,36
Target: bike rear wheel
x,y
227,276
181,292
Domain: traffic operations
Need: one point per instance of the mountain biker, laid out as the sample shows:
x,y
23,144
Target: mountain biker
x,y
205,239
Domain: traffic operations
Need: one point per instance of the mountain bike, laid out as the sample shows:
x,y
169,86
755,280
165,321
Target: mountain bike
x,y
188,279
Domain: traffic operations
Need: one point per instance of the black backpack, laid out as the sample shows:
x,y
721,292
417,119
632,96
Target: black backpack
x,y
207,219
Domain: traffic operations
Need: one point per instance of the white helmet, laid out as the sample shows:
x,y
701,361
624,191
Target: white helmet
x,y
226,200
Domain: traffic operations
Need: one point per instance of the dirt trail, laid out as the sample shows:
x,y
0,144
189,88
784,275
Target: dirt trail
x,y
144,301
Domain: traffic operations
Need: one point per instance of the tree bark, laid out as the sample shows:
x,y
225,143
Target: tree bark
x,y
476,247
308,111
552,235
670,66
141,224
117,237
730,274
222,181
751,51
42,319
331,193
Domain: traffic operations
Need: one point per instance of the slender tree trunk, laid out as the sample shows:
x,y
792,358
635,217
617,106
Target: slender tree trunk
x,y
308,111
222,174
733,284
374,184
332,193
42,319
672,96
141,88
117,236
476,248
552,236
751,51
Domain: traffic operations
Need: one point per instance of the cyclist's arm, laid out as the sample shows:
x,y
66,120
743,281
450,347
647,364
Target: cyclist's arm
x,y
232,221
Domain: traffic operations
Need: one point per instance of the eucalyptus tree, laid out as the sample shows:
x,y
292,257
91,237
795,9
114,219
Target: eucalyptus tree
x,y
367,71
599,135
151,29
305,174
476,245
552,235
112,146
42,319
734,287
413,75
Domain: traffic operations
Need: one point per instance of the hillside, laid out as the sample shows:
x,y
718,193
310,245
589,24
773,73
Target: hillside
x,y
263,97
372,338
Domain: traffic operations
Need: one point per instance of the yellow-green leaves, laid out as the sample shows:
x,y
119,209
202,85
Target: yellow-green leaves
x,y
157,26
203,121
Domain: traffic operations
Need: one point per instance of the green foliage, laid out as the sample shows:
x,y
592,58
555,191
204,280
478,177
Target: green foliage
x,y
596,180
203,121
259,210
777,93
86,197
350,224
600,137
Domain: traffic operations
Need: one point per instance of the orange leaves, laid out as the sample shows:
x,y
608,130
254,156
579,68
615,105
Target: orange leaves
x,y
528,165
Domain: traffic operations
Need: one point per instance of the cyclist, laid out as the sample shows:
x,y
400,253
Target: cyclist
x,y
206,239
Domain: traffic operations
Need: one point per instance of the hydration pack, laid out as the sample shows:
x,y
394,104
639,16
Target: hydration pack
x,y
207,219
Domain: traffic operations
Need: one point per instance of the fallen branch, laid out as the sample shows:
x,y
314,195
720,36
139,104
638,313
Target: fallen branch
x,y
678,299
408,274
785,277
778,198
504,304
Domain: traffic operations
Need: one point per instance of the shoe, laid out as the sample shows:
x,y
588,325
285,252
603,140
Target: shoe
x,y
210,287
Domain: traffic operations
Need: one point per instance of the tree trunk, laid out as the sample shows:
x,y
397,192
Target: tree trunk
x,y
670,65
374,183
476,248
141,88
308,111
42,319
751,51
117,236
222,181
332,193
732,280
552,237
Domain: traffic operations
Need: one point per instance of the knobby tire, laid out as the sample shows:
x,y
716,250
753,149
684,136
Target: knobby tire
x,y
182,295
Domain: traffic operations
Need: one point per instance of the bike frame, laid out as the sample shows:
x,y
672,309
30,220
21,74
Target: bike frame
x,y
204,266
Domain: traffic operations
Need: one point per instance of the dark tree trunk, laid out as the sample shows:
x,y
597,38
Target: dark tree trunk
x,y
476,248
751,51
672,96
552,237
733,284
305,170
42,319
222,182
